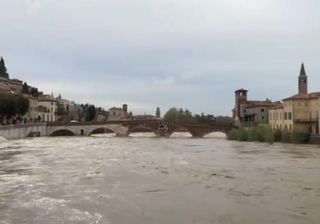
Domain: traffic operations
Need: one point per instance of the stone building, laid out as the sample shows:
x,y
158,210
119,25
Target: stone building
x,y
158,113
47,108
248,113
11,84
118,113
32,114
298,112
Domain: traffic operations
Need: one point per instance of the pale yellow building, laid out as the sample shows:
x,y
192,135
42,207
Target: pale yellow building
x,y
299,112
47,108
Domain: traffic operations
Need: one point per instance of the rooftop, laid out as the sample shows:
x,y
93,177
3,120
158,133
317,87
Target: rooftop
x,y
313,95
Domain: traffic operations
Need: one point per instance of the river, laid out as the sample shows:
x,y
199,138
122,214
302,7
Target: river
x,y
148,180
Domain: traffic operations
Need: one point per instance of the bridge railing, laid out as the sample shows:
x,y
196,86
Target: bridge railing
x,y
6,127
140,121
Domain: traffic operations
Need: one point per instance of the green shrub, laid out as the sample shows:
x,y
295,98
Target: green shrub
x,y
252,134
242,135
233,135
268,135
299,138
277,135
286,137
261,134
265,134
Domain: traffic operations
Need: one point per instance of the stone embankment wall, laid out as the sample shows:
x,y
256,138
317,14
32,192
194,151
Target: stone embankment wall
x,y
23,131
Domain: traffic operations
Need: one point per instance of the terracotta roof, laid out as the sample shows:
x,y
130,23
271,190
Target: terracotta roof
x,y
304,96
278,106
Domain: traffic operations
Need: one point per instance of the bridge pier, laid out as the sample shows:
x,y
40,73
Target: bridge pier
x,y
122,131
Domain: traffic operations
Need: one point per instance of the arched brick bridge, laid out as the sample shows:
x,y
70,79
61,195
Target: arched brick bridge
x,y
124,128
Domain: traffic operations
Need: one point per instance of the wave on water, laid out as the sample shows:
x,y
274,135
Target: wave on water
x,y
2,139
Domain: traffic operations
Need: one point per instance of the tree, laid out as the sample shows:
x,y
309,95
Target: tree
x,y
179,115
90,112
34,92
25,88
3,69
12,105
172,114
61,110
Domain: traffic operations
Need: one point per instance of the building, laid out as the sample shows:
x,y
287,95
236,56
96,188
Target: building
x,y
158,113
66,110
118,113
32,114
299,112
11,84
47,108
248,113
144,117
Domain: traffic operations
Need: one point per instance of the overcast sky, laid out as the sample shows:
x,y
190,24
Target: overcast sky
x,y
147,53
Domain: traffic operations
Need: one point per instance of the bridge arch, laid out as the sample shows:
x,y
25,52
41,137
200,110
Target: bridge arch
x,y
175,132
215,134
62,132
34,134
101,130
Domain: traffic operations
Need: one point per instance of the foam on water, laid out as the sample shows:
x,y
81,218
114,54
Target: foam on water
x,y
81,180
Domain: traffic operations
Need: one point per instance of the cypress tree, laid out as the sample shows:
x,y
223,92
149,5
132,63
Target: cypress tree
x,y
3,69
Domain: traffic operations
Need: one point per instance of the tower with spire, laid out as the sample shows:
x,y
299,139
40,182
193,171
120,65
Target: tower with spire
x,y
303,81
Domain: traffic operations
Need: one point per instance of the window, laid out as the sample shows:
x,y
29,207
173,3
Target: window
x,y
285,115
290,116
262,117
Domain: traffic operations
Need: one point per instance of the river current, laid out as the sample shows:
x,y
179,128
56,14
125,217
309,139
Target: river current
x,y
149,180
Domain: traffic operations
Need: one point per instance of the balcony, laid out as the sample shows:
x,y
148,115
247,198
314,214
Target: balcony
x,y
306,120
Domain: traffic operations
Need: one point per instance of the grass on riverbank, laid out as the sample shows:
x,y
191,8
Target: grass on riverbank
x,y
266,134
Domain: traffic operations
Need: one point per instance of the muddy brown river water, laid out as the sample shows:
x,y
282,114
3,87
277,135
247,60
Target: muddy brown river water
x,y
147,180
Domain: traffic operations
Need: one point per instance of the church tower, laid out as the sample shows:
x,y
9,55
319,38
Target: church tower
x,y
240,100
303,81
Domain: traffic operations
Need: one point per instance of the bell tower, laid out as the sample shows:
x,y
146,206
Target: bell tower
x,y
240,99
303,81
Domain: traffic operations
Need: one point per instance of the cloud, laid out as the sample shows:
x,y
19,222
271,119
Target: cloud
x,y
165,53
33,6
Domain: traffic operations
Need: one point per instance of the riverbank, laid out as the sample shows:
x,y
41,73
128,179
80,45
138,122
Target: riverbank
x,y
266,134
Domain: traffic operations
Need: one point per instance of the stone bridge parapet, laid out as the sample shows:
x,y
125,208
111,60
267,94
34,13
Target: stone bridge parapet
x,y
23,130
125,127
